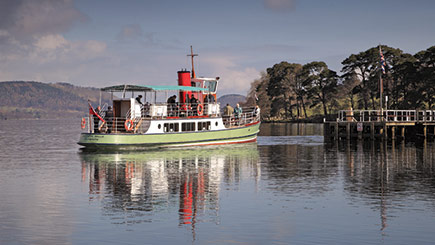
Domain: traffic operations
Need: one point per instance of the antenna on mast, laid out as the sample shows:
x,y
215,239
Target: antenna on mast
x,y
191,56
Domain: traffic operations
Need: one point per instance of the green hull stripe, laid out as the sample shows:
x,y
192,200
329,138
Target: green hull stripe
x,y
87,139
172,143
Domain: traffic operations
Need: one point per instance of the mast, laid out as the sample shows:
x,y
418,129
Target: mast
x,y
191,56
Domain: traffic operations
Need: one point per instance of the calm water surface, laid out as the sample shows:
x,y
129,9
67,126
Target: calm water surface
x,y
289,188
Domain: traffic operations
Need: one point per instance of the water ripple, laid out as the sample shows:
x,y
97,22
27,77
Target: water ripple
x,y
291,140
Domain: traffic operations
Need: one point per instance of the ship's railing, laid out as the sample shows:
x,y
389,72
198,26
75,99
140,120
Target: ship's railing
x,y
249,115
163,110
386,116
117,125
129,124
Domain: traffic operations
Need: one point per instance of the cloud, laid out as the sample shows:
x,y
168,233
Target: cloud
x,y
130,32
50,58
32,46
134,33
234,79
55,48
280,5
25,19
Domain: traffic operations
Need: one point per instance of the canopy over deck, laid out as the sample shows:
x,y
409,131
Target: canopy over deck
x,y
150,88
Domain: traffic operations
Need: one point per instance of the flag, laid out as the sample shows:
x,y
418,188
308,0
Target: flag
x,y
93,112
383,64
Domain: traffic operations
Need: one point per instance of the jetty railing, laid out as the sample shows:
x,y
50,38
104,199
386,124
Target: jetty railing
x,y
386,116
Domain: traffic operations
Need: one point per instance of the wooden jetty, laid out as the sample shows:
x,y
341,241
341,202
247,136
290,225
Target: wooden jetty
x,y
381,124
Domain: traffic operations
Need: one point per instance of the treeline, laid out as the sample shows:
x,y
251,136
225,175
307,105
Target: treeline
x,y
290,91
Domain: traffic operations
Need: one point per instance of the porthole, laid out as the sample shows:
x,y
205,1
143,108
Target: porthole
x,y
159,126
216,123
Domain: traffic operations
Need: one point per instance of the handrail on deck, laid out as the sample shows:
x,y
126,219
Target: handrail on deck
x,y
386,116
117,124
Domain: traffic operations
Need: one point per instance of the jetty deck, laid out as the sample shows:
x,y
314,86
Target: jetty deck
x,y
381,124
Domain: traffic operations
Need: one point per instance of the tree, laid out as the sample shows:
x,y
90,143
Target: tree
x,y
282,78
321,83
406,91
357,65
426,70
366,66
350,87
299,89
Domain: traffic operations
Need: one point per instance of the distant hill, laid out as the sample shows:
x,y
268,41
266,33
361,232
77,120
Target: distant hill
x,y
22,99
231,99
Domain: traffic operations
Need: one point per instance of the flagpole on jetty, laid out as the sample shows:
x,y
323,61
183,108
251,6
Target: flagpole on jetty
x,y
381,84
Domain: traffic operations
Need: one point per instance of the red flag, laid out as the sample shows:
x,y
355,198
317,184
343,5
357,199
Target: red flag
x,y
93,112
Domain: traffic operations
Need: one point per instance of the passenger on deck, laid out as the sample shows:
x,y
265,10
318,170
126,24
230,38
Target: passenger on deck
x,y
172,105
145,111
194,104
209,98
237,113
257,110
138,99
96,119
109,119
228,110
193,100
172,99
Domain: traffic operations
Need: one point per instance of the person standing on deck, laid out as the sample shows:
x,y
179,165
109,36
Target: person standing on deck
x,y
228,110
109,119
138,99
96,119
172,105
257,111
237,112
194,104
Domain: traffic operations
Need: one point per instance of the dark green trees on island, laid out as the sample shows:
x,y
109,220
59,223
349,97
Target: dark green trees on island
x,y
290,91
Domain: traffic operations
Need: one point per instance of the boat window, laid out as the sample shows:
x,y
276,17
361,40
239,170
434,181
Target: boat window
x,y
203,126
210,85
188,126
195,84
171,127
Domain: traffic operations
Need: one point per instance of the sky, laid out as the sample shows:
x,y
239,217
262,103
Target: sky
x,y
101,43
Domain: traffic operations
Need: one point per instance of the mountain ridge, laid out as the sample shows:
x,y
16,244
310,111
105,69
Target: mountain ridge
x,y
30,99
37,100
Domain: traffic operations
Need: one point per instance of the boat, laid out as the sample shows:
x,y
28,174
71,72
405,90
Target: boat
x,y
190,117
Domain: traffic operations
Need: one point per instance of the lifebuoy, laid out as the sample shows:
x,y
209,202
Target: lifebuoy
x,y
83,122
200,109
128,125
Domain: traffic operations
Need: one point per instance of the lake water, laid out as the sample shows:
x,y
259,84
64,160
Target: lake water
x,y
289,188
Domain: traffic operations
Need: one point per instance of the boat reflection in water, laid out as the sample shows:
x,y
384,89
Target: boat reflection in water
x,y
133,185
